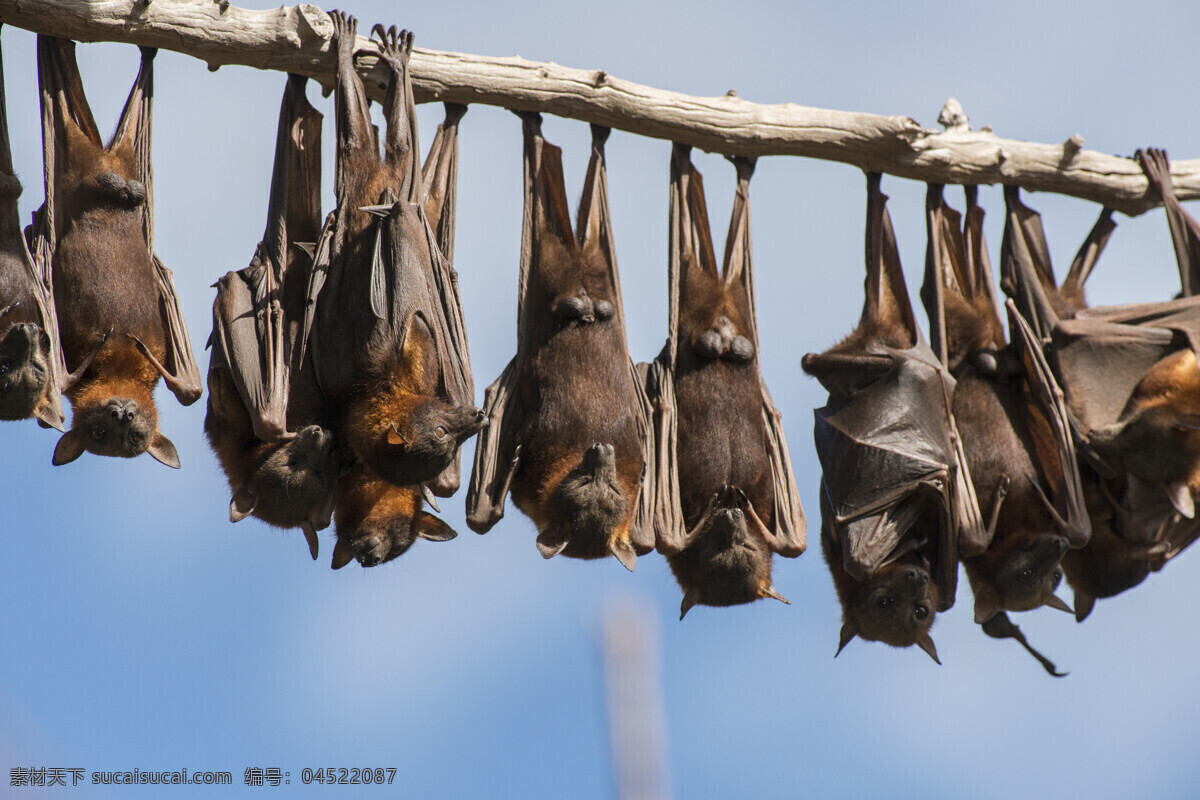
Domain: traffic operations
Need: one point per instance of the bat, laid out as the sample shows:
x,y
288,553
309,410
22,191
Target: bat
x,y
895,496
29,384
1142,457
1014,427
266,419
726,499
377,522
568,428
97,230
384,324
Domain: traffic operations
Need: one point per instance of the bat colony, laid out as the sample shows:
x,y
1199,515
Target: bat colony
x,y
340,390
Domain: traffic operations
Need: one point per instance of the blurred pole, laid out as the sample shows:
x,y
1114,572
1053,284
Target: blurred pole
x,y
632,671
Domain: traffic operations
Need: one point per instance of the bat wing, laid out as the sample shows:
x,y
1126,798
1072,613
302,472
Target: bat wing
x,y
35,274
1025,270
1185,231
884,452
498,447
497,451
1069,508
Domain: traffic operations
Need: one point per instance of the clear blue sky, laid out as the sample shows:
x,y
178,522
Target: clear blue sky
x,y
142,630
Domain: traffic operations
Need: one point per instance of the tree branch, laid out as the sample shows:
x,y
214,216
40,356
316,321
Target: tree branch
x,y
296,39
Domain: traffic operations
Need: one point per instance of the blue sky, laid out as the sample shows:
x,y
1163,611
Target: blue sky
x,y
142,630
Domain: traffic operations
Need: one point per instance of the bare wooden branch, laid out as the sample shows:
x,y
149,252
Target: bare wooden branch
x,y
296,39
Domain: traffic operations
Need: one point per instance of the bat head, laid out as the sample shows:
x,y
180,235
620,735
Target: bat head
x,y
729,564
378,522
401,427
416,447
294,483
1157,439
115,426
1017,573
24,370
589,510
896,605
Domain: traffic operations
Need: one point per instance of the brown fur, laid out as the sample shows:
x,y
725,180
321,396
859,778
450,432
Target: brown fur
x,y
377,522
577,391
1021,568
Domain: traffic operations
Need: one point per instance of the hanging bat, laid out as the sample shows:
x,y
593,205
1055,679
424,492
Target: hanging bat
x,y
265,413
1014,427
1140,476
568,430
726,498
29,383
377,522
895,495
386,328
384,325
1015,431
97,228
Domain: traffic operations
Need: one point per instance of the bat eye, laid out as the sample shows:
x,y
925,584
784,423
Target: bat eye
x,y
3,369
440,431
1057,575
885,602
1026,575
136,438
98,433
920,612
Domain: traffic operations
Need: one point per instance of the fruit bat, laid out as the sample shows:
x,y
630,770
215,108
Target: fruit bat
x,y
376,521
895,492
384,325
1014,427
30,381
1131,385
265,413
97,228
568,428
726,498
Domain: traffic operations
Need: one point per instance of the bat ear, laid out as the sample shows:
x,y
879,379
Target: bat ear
x,y
690,598
342,555
623,550
849,631
69,447
164,451
987,604
243,503
926,644
551,542
767,590
1181,498
1057,602
430,527
310,536
47,417
1084,603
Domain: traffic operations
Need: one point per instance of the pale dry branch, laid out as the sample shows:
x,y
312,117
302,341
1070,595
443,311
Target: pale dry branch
x,y
296,39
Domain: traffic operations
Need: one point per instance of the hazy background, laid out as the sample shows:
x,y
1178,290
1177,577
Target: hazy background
x,y
142,630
